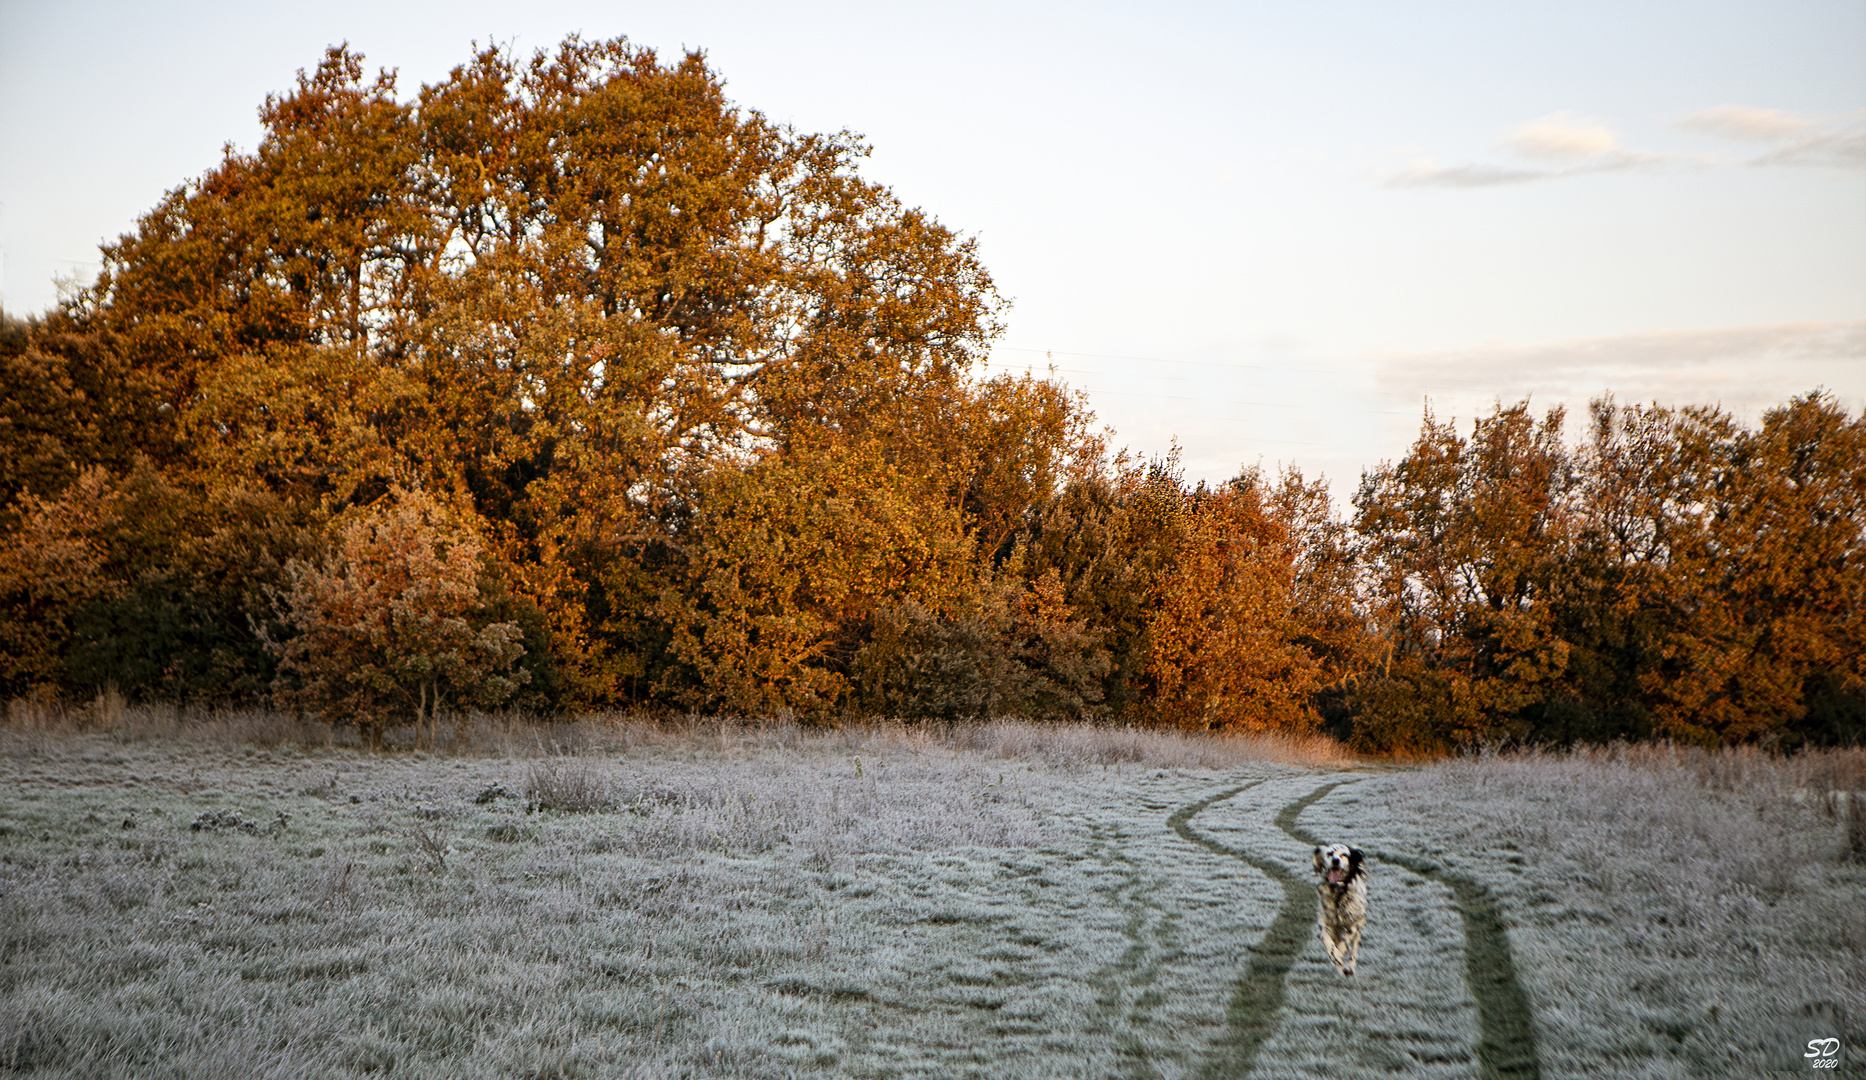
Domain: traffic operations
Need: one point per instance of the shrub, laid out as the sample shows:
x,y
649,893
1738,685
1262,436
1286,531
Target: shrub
x,y
1008,650
393,623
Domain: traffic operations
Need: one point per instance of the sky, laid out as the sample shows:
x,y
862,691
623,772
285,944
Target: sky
x,y
1269,233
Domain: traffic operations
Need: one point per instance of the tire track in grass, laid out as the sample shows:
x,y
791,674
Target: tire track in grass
x,y
1252,1013
1506,1042
1139,964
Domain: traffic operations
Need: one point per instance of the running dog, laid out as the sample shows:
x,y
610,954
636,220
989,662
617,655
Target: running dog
x,y
1343,895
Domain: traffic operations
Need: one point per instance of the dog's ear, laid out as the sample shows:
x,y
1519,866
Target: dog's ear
x,y
1354,862
1318,860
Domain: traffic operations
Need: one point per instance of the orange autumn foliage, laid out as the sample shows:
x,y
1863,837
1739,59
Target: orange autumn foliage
x,y
1225,633
672,391
392,623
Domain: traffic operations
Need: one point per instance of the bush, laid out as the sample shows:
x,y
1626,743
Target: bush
x,y
1009,650
393,623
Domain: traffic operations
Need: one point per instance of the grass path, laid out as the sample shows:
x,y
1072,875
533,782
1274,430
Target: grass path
x,y
1506,1048
1254,1008
869,905
1126,988
1505,1043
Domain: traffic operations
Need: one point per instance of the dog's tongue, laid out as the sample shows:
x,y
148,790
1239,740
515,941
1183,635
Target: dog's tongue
x,y
1333,876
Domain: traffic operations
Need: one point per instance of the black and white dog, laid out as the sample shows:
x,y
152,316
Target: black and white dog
x,y
1343,895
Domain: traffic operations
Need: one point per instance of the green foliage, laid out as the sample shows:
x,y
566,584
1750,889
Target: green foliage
x,y
52,567
68,401
196,574
133,583
1108,540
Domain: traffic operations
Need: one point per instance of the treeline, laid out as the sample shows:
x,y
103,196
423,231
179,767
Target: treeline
x,y
565,384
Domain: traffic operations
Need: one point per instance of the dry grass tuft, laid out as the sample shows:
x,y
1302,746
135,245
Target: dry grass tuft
x,y
1072,746
1737,769
28,721
344,886
430,842
568,784
1080,745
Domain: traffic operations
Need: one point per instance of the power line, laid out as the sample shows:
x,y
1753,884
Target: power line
x,y
1155,395
1436,382
1424,392
1226,364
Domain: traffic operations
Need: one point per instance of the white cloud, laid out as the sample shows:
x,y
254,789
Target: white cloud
x,y
1839,150
1563,137
1745,369
1565,145
1427,173
1744,123
1830,142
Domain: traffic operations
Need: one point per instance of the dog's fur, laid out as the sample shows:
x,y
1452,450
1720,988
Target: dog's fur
x,y
1343,895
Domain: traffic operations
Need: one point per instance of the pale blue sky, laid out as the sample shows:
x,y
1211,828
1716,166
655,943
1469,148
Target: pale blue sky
x,y
1270,230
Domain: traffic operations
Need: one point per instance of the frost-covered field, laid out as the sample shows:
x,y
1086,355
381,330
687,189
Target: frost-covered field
x,y
1004,901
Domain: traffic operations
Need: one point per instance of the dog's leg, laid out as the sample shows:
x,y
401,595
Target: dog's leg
x,y
1352,948
1337,948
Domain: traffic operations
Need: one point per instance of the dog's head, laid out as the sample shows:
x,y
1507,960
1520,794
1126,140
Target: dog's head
x,y
1338,863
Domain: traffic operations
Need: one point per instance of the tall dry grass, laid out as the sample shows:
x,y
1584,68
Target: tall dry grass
x,y
515,735
109,715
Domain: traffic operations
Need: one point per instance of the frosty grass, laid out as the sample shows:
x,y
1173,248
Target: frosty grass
x,y
1000,901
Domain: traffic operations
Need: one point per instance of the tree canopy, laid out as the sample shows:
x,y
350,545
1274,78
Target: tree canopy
x,y
567,383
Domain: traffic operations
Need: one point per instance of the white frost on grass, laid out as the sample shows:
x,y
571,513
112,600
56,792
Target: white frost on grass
x,y
1406,1010
1001,901
985,902
1672,913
